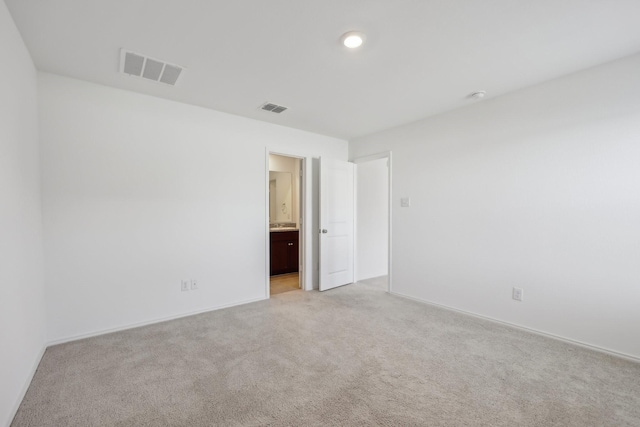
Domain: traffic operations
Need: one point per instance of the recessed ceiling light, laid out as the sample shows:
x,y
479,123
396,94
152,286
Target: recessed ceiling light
x,y
352,39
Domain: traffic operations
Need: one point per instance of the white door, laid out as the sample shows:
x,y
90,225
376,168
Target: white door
x,y
336,223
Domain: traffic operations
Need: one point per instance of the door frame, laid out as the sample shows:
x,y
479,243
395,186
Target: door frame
x,y
304,214
364,159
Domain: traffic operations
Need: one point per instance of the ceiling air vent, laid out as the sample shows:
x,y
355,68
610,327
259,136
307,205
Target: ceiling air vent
x,y
274,108
139,65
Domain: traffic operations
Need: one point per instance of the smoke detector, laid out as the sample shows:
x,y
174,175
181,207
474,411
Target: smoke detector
x,y
478,95
135,64
274,108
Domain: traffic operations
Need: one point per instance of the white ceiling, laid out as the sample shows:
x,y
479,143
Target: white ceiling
x,y
421,57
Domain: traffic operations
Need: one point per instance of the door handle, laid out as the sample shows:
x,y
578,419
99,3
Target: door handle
x,y
324,231
290,244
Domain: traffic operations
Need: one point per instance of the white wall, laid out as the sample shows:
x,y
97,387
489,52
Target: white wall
x,y
22,327
373,219
141,192
538,189
292,165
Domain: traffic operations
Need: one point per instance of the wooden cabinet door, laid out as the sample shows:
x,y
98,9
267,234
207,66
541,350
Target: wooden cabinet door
x,y
284,252
293,255
279,256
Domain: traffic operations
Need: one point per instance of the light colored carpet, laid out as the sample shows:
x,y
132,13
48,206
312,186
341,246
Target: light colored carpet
x,y
352,356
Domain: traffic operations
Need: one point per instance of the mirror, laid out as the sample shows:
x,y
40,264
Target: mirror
x,y
279,197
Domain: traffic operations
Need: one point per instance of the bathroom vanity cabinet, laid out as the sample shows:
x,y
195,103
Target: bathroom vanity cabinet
x,y
284,252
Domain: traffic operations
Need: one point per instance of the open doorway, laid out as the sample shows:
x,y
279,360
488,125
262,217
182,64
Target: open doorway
x,y
285,223
373,221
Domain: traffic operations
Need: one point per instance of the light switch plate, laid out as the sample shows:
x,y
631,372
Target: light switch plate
x,y
405,202
517,294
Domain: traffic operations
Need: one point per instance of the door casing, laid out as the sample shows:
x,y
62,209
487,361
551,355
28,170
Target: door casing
x,y
305,261
382,155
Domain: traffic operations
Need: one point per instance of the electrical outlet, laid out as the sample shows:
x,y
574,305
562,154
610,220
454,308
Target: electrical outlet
x,y
517,294
184,285
194,284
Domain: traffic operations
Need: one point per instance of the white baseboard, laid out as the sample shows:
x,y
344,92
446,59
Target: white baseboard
x,y
147,322
26,385
524,328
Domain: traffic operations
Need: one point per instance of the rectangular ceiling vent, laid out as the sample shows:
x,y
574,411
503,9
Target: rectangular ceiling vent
x,y
135,64
274,108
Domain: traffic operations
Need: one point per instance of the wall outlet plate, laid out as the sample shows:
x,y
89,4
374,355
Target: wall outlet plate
x,y
194,284
184,285
405,202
